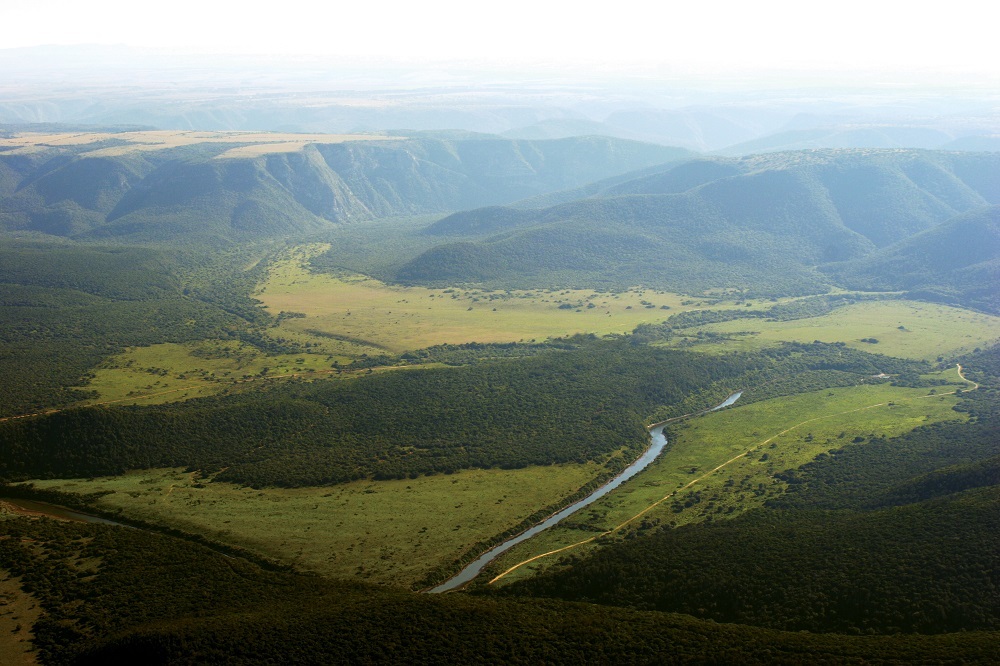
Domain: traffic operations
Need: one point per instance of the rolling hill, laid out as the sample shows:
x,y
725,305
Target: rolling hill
x,y
957,261
119,191
762,222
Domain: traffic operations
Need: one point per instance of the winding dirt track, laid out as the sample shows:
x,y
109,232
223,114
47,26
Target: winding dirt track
x,y
710,473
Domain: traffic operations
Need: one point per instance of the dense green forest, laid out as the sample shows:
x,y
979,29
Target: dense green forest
x,y
64,308
583,403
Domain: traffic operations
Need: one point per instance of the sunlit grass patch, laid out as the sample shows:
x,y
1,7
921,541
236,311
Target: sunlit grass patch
x,y
392,532
400,318
907,329
170,372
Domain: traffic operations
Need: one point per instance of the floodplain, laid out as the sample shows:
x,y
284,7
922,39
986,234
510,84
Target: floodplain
x,y
389,532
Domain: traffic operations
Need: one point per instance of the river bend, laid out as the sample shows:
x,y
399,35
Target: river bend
x,y
657,442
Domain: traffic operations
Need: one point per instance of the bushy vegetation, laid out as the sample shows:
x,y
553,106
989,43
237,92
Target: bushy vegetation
x,y
113,595
563,405
65,308
924,568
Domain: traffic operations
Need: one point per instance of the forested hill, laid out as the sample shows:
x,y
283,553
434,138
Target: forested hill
x,y
763,222
578,401
958,261
112,191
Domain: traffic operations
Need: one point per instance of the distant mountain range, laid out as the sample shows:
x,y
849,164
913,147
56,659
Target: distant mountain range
x,y
586,211
185,193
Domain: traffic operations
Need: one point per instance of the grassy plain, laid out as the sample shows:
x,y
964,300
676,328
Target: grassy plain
x,y
350,315
260,143
170,372
391,532
359,310
907,329
722,464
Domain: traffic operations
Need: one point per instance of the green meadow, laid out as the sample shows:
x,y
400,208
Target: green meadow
x,y
389,532
350,314
170,371
724,463
336,319
907,329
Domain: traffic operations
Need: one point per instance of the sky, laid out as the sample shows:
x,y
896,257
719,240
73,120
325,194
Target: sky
x,y
846,35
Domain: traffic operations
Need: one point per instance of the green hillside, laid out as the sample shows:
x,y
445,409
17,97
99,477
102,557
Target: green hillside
x,y
761,223
127,596
957,261
184,192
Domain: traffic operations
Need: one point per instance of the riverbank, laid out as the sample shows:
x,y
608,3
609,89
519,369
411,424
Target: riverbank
x,y
657,443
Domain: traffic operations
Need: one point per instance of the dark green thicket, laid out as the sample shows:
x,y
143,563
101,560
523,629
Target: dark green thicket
x,y
66,307
554,407
929,567
563,405
112,595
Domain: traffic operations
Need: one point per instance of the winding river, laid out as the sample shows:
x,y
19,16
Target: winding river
x,y
657,442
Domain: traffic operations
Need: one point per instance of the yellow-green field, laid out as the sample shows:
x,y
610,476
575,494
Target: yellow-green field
x,y
347,316
170,372
360,309
907,329
261,143
392,532
779,434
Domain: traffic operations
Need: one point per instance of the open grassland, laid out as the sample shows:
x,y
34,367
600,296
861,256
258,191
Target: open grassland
x,y
346,317
170,372
907,329
392,532
260,143
357,311
724,463
340,318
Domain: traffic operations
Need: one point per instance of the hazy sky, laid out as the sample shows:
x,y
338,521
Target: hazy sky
x,y
958,35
